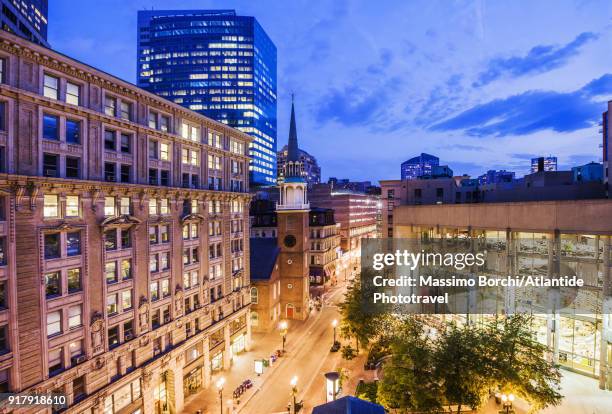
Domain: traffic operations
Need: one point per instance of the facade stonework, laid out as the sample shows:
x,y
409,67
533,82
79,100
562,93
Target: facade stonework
x,y
123,233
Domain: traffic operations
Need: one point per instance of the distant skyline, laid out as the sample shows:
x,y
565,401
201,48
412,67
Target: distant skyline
x,y
482,85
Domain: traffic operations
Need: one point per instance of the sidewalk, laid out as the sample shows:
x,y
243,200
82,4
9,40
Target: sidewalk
x,y
243,367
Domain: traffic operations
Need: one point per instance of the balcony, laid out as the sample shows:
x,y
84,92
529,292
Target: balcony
x,y
285,207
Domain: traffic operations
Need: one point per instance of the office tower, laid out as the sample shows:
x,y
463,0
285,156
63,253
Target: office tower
x,y
543,164
218,64
123,279
27,19
419,166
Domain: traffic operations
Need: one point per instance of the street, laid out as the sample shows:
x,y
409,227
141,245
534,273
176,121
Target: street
x,y
307,357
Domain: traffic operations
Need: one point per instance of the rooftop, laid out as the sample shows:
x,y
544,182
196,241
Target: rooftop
x,y
264,252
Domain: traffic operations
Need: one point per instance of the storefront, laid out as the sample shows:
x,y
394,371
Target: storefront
x,y
127,398
239,343
192,381
216,361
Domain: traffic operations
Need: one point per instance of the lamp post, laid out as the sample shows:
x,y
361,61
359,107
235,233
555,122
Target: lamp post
x,y
507,400
334,325
220,384
331,385
283,331
294,391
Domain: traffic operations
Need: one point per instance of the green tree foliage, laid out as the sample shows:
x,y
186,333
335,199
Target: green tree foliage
x,y
408,381
358,319
458,367
517,363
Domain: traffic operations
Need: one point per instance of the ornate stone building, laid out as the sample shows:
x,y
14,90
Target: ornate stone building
x,y
123,282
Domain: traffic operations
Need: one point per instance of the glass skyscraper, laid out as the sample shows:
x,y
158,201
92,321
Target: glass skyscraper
x,y
26,18
219,64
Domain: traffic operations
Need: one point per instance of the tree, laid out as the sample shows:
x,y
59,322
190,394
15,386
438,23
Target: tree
x,y
458,366
408,381
358,319
517,364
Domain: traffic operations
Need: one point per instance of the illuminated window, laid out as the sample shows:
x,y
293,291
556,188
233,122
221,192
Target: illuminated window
x,y
73,92
126,110
165,288
152,206
75,316
54,323
126,300
164,209
72,206
125,205
109,206
51,87
164,151
111,304
51,205
110,106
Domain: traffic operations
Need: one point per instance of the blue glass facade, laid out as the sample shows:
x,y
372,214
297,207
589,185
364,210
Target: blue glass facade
x,y
26,18
218,64
419,166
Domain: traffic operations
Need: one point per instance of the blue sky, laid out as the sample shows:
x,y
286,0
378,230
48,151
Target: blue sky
x,y
481,84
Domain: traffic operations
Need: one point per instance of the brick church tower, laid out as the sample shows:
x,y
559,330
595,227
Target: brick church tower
x,y
293,238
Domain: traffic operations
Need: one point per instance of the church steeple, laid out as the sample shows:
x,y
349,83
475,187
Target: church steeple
x,y
293,165
292,147
293,187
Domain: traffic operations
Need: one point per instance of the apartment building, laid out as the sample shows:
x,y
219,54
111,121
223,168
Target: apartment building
x,y
123,233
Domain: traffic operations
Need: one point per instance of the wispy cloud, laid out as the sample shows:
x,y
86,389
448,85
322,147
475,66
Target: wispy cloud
x,y
539,59
533,111
365,101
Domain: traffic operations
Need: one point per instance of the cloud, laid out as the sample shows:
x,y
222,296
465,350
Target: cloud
x,y
441,102
366,100
380,67
351,105
539,59
533,111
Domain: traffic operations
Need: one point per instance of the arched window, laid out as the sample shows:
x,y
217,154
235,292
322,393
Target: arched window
x,y
254,319
254,295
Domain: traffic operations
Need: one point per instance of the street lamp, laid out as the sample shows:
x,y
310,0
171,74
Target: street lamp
x,y
283,331
294,391
334,325
332,380
220,384
507,400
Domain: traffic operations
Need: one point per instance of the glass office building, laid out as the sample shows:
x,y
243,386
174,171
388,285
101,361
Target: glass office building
x,y
219,64
26,18
419,166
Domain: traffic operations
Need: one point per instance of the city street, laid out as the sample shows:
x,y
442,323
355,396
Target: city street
x,y
307,357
